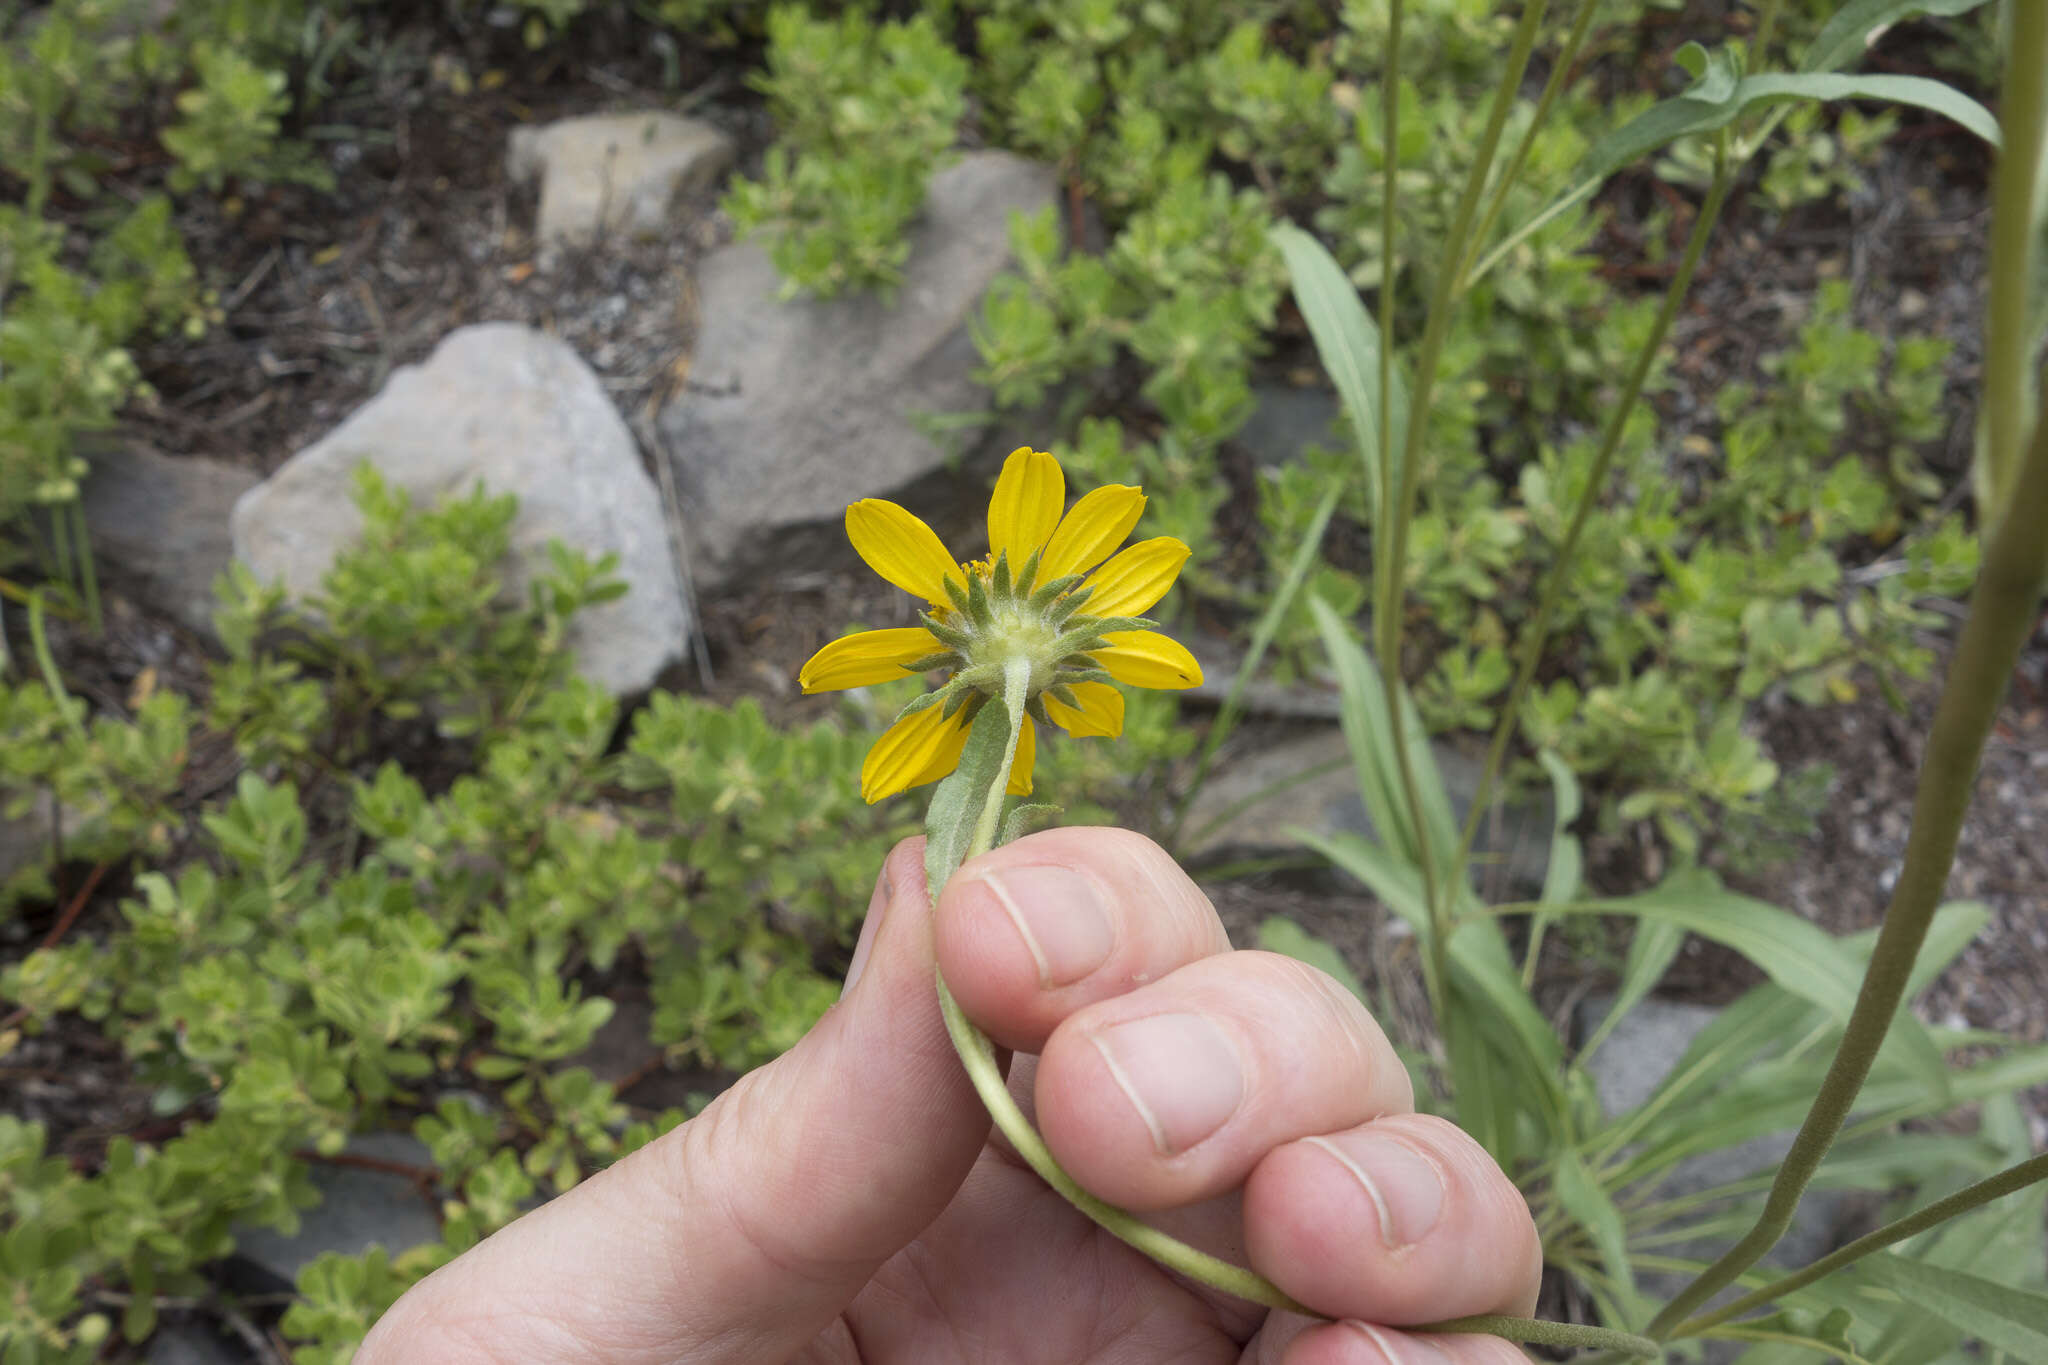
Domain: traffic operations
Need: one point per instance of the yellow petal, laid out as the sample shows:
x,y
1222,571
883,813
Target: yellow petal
x,y
1025,507
1027,753
1145,658
922,747
1097,524
902,549
1138,577
872,656
1101,711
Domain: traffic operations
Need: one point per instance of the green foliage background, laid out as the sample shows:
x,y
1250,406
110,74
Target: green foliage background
x,y
339,942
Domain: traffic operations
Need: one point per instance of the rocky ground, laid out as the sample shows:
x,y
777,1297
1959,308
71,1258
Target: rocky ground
x,y
714,402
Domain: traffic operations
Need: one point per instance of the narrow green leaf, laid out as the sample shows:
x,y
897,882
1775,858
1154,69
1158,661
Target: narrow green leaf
x,y
1669,120
1278,934
1561,876
1916,91
957,803
1845,36
1370,734
1793,952
1650,953
1349,343
1995,1314
1580,1196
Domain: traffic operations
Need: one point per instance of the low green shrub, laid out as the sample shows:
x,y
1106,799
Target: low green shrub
x,y
866,112
335,944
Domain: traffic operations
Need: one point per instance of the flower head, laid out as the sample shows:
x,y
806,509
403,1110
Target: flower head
x,y
1034,597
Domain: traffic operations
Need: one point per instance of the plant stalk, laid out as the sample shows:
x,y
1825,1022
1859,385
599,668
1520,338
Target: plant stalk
x,y
2023,124
1534,636
1553,85
1539,1332
978,1055
1940,1211
1390,580
1766,29
2001,616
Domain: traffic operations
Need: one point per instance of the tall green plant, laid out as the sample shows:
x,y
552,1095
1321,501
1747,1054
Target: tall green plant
x,y
1842,1063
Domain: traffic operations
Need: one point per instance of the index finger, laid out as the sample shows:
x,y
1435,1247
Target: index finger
x,y
1033,931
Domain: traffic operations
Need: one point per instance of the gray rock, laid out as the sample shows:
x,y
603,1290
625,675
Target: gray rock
x,y
1312,699
614,173
185,1344
1286,421
359,1208
517,411
160,526
24,844
1256,761
797,407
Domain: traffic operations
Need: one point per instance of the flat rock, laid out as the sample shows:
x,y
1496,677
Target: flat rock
x,y
187,1344
160,526
798,407
359,1208
1286,421
605,174
519,412
1303,778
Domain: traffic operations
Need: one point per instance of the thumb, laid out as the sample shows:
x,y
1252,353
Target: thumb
x,y
743,1233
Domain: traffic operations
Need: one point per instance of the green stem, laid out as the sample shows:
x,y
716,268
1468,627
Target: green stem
x,y
39,641
1534,636
88,574
1392,575
1766,29
1390,196
978,1055
2002,612
1553,85
1537,1332
2023,124
1940,1211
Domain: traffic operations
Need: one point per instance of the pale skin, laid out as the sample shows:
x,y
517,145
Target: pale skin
x,y
846,1204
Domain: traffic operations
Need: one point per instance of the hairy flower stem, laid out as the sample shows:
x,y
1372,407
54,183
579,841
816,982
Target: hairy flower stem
x,y
2002,613
1940,1211
1539,1332
1534,635
978,1055
2014,193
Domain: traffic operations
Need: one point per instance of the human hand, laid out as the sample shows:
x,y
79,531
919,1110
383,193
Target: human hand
x,y
846,1203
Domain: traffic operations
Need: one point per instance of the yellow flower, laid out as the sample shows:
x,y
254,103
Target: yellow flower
x,y
1034,597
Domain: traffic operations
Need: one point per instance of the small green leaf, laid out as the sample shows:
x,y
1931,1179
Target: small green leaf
x,y
958,802
1278,934
1027,819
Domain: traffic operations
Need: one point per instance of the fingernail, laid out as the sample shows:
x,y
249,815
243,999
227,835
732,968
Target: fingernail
x,y
1060,917
870,927
1178,1071
1405,1187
